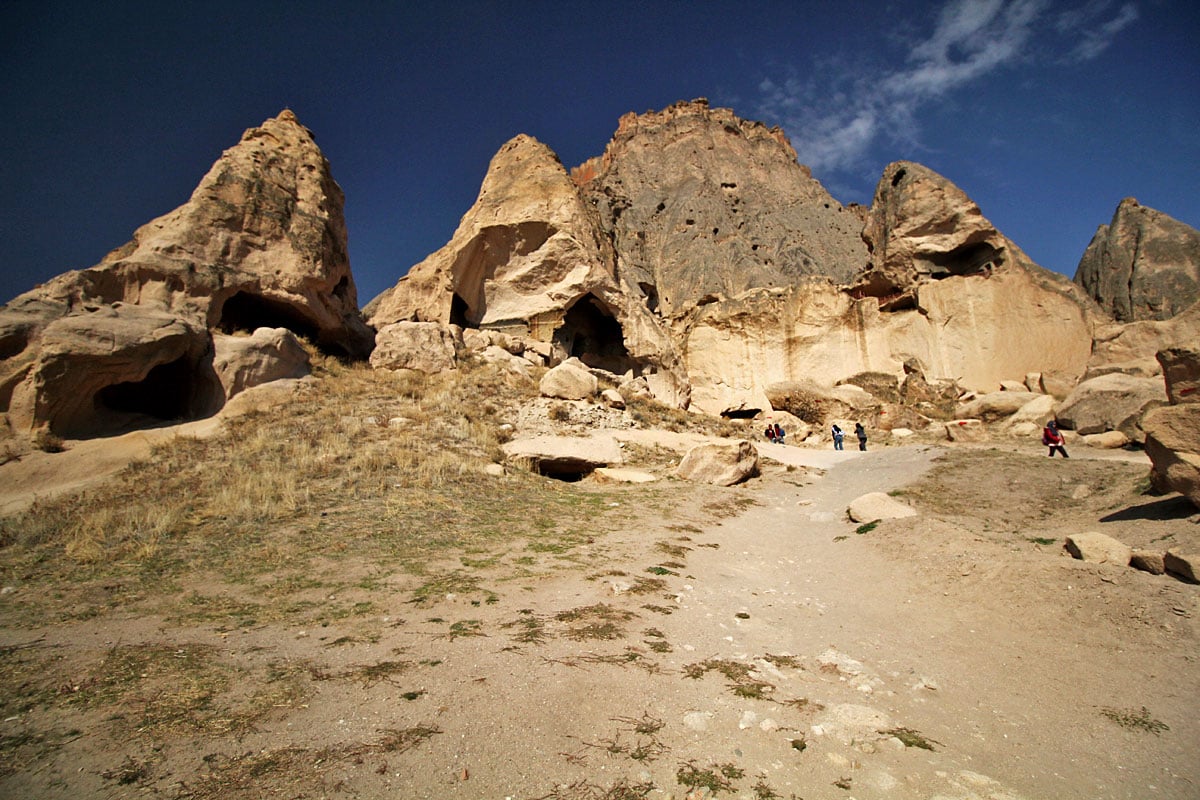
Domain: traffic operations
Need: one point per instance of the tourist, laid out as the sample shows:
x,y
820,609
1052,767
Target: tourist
x,y
779,434
1052,437
861,433
770,432
838,435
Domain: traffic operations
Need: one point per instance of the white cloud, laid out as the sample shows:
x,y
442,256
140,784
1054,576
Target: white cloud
x,y
833,122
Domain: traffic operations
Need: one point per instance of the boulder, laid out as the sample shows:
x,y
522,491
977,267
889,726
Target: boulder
x,y
995,406
1039,411
1181,371
612,398
566,457
1034,383
1144,265
1135,344
423,346
1098,548
570,380
966,430
115,369
1109,440
1112,402
1148,561
878,506
719,464
1173,445
269,354
1185,566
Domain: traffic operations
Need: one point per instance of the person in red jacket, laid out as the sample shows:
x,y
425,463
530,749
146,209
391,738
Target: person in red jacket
x,y
1052,437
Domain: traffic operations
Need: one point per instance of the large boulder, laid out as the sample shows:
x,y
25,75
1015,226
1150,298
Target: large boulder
x,y
1132,346
1144,265
1113,402
1173,445
423,346
719,464
995,406
1098,548
115,369
570,380
878,506
567,457
1181,371
269,354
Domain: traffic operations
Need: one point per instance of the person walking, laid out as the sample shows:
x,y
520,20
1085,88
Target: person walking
x,y
861,433
1052,437
838,435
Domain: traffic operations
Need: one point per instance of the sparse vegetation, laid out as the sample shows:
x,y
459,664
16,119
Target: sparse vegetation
x,y
1135,720
910,738
867,527
716,778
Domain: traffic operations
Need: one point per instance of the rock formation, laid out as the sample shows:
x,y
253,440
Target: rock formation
x,y
700,204
1173,432
260,243
1144,265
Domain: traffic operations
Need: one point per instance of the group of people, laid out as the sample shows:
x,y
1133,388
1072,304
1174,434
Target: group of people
x,y
774,433
839,435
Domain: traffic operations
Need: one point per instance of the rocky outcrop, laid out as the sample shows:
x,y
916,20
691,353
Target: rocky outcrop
x,y
529,258
877,506
1113,402
1132,347
1173,433
563,457
700,204
422,346
1181,372
269,354
1144,265
570,380
260,243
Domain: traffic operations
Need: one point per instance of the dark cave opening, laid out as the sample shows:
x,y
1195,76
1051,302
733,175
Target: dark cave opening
x,y
593,335
168,392
460,313
741,413
970,259
246,312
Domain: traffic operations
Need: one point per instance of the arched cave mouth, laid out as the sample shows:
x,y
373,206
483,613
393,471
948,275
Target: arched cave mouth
x,y
171,392
245,312
741,413
566,470
593,335
970,259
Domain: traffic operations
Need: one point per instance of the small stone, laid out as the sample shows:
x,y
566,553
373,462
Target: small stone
x,y
1148,561
1184,566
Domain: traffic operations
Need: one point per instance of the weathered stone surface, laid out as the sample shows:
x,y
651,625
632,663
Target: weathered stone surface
x,y
1112,402
1173,445
1138,342
563,456
423,346
1185,566
1098,548
701,204
1144,265
113,370
1148,561
260,243
612,398
529,258
995,406
878,506
1037,411
966,430
1109,440
719,464
1181,371
617,475
570,380
269,354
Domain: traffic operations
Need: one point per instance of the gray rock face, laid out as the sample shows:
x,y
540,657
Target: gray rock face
x,y
1144,265
1181,371
701,204
1112,402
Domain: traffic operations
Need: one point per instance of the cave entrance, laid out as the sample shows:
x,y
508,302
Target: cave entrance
x,y
741,413
460,313
593,335
170,392
970,259
246,312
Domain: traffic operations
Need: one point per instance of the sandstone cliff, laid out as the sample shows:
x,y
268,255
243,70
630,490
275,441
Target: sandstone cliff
x,y
1144,265
260,243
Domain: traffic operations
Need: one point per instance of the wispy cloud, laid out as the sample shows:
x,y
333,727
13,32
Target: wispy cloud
x,y
834,120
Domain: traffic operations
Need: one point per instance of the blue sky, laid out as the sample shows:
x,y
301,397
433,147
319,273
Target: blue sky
x,y
1046,113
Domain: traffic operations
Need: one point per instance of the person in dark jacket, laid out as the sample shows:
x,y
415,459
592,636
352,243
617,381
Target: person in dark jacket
x,y
861,433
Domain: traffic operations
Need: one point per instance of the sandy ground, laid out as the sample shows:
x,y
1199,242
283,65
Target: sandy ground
x,y
784,654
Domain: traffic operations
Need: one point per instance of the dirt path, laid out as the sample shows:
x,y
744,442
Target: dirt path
x,y
775,653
